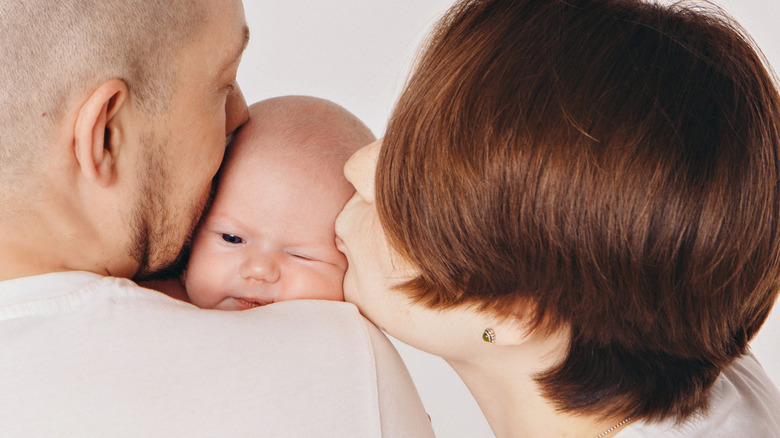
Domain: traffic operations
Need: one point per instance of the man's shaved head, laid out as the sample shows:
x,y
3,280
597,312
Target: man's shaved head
x,y
53,51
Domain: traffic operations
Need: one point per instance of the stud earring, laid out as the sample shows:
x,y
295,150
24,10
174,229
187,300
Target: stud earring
x,y
489,335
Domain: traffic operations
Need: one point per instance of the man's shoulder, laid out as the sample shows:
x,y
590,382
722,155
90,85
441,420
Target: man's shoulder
x,y
299,368
77,302
301,316
287,329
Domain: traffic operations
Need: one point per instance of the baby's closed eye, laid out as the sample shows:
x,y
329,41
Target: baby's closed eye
x,y
303,256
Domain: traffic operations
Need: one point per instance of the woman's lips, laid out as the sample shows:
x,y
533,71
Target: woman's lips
x,y
245,304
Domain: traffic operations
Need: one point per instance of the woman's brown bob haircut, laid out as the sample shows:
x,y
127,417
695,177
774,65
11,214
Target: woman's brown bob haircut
x,y
608,166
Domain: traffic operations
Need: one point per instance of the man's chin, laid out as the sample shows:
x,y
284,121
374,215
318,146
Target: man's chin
x,y
155,266
169,271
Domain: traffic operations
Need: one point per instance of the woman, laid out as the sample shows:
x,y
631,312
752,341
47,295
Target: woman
x,y
577,207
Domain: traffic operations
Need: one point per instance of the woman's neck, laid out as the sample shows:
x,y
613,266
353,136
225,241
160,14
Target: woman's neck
x,y
502,382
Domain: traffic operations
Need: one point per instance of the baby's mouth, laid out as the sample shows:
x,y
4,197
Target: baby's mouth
x,y
245,304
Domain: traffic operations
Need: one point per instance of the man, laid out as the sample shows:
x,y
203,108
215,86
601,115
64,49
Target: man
x,y
114,117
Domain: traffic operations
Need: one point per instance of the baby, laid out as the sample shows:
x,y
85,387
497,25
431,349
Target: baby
x,y
269,235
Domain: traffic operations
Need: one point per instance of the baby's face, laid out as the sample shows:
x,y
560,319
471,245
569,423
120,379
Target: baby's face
x,y
269,235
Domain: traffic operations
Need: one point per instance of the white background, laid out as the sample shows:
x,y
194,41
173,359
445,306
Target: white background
x,y
358,53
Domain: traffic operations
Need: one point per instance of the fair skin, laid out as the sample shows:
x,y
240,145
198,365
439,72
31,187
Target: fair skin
x,y
118,194
499,375
269,235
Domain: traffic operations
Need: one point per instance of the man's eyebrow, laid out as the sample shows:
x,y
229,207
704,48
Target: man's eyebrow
x,y
239,52
245,41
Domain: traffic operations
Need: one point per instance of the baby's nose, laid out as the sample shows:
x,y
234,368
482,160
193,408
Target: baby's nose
x,y
260,267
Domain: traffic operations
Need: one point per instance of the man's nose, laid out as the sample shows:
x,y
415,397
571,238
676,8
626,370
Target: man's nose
x,y
260,267
236,111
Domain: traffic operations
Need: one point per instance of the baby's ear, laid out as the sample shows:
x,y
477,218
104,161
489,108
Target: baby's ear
x,y
98,134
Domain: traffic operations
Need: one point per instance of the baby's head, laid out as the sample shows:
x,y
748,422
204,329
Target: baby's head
x,y
269,235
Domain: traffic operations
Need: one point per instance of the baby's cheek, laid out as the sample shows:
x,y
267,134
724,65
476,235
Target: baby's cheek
x,y
209,273
337,292
333,285
315,284
199,282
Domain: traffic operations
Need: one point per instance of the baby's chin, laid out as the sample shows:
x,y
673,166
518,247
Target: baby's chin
x,y
246,304
232,304
235,303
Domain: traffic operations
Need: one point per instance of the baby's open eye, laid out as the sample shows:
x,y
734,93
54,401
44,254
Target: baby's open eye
x,y
230,238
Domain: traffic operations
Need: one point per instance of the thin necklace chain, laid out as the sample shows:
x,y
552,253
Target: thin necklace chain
x,y
615,427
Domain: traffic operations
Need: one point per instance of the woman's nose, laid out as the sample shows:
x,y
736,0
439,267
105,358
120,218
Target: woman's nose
x,y
360,170
260,267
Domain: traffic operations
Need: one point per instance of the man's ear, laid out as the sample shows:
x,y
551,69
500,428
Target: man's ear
x,y
97,134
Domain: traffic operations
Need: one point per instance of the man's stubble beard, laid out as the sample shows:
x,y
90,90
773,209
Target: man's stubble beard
x,y
159,244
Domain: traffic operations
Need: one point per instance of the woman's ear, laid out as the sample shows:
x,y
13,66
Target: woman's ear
x,y
505,332
97,135
520,327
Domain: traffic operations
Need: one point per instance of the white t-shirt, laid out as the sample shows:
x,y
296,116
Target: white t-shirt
x,y
743,404
86,355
